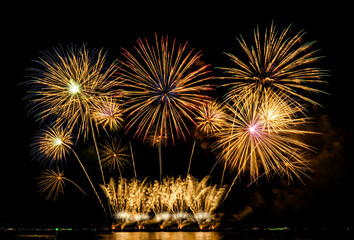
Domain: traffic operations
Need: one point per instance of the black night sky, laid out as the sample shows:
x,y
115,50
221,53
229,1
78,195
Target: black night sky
x,y
326,200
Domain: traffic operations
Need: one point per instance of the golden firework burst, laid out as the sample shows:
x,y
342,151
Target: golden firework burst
x,y
66,84
52,144
262,135
114,154
166,86
278,62
107,112
53,183
210,118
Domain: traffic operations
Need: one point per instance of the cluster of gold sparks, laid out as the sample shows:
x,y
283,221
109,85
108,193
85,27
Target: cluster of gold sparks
x,y
160,91
171,202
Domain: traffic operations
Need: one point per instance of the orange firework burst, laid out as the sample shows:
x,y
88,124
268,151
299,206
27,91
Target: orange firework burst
x,y
114,155
277,62
262,135
66,84
107,112
52,144
156,138
166,86
53,183
211,117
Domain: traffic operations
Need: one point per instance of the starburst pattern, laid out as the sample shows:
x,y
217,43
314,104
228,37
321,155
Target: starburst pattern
x,y
166,86
107,112
114,154
278,62
260,135
210,118
53,183
66,84
52,145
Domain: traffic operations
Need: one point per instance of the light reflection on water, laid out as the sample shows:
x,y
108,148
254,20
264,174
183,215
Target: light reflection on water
x,y
163,236
252,235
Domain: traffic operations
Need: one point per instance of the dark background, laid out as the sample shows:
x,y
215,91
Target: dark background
x,y
326,200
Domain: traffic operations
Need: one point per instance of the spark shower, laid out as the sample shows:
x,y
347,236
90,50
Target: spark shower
x,y
162,91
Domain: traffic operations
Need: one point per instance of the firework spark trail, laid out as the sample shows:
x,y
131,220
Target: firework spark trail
x,y
159,197
197,193
211,118
202,198
89,179
165,88
190,159
132,155
278,62
157,139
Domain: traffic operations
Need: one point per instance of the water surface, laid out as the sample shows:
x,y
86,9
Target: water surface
x,y
254,235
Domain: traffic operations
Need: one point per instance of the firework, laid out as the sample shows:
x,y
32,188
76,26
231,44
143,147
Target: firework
x,y
66,87
53,183
114,155
159,201
257,128
67,83
165,87
172,201
262,135
126,195
210,118
127,200
203,199
278,62
107,112
52,144
277,112
157,139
